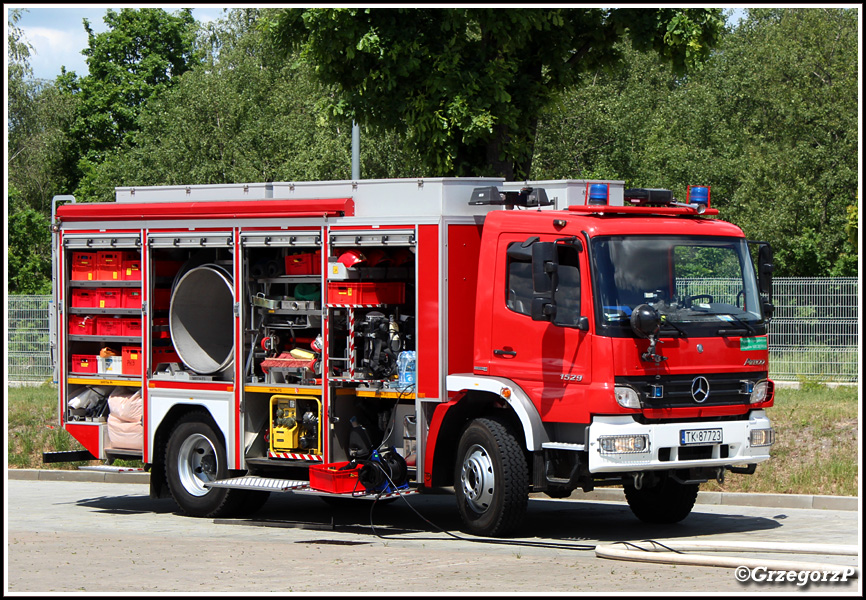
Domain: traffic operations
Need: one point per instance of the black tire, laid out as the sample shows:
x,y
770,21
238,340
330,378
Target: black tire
x,y
195,454
668,501
491,478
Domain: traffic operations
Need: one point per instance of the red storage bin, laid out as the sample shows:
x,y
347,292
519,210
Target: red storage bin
x,y
329,478
356,293
84,299
131,356
160,329
130,298
109,265
84,363
83,266
166,268
109,298
131,327
161,298
79,325
131,267
164,354
307,263
109,326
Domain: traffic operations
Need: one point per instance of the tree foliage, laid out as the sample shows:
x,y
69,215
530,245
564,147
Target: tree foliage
x,y
245,115
471,82
136,59
769,123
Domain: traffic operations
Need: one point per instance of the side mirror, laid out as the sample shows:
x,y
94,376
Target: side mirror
x,y
545,279
765,269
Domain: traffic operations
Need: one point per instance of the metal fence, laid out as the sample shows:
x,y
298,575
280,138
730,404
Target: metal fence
x,y
28,343
814,335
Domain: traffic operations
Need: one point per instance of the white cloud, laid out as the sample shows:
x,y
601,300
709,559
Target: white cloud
x,y
53,48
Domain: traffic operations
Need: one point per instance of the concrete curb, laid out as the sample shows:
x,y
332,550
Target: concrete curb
x,y
602,495
739,499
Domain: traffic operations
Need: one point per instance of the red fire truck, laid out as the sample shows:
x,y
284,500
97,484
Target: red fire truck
x,y
381,337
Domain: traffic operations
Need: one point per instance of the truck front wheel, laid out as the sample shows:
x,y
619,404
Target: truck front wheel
x,y
196,455
667,501
491,478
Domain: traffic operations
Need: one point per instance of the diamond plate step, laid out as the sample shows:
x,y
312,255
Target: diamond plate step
x,y
112,469
264,484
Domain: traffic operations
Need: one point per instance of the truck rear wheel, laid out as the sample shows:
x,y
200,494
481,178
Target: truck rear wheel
x,y
196,455
491,478
668,501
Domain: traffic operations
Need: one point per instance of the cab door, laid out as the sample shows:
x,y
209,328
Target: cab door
x,y
550,361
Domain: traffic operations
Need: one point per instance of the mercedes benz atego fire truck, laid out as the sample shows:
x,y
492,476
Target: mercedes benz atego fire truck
x,y
363,339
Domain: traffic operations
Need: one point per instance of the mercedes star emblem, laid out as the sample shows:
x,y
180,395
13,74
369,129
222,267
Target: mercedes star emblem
x,y
700,389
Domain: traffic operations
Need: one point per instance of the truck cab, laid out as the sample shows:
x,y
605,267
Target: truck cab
x,y
637,337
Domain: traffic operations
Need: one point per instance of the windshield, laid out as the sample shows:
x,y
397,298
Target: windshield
x,y
699,285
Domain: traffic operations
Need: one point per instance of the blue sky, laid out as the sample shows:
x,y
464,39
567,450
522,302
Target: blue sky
x,y
57,35
56,32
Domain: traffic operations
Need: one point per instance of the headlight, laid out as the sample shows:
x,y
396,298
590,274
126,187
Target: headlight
x,y
623,444
626,397
762,437
762,392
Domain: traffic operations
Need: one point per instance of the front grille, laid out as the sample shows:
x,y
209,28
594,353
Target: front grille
x,y
724,388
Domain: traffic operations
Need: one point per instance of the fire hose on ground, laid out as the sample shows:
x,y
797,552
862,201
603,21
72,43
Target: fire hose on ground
x,y
676,552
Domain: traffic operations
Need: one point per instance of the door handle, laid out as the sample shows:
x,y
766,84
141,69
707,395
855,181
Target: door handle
x,y
499,352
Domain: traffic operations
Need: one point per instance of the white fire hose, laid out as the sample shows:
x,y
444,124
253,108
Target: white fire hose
x,y
674,552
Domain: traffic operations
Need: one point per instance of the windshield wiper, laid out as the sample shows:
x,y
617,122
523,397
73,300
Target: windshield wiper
x,y
673,325
746,329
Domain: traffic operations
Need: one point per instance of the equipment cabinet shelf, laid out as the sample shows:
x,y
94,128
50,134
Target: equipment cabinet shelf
x,y
129,381
125,283
288,279
105,311
120,339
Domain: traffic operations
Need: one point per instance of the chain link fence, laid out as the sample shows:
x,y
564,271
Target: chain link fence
x,y
814,335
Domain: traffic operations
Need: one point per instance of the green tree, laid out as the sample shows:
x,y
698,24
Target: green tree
x,y
468,84
140,56
36,167
244,115
769,123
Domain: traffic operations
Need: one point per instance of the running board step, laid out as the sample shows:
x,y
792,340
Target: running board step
x,y
112,469
264,484
563,446
270,484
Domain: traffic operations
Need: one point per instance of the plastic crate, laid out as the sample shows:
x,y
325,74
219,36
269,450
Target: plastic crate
x,y
329,478
357,293
82,325
109,326
84,363
160,329
306,263
164,354
131,267
84,299
161,298
83,266
166,268
131,359
110,365
109,265
131,327
110,298
130,298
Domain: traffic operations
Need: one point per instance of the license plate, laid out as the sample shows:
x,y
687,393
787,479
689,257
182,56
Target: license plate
x,y
700,436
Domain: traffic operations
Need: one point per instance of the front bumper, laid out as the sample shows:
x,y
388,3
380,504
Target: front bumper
x,y
664,450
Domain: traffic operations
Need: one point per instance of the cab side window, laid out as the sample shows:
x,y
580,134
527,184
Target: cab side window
x,y
567,295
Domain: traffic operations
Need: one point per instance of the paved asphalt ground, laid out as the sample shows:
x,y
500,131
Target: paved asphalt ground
x,y
96,532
